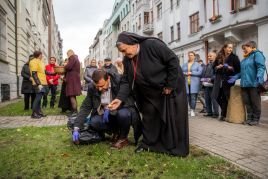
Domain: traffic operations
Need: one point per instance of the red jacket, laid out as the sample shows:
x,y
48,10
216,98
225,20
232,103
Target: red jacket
x,y
50,68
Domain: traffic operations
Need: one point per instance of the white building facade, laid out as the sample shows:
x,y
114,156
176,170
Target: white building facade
x,y
191,25
23,29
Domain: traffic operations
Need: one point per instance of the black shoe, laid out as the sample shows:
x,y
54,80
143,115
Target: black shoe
x,y
247,121
215,116
203,111
222,118
42,115
35,116
140,149
253,123
207,115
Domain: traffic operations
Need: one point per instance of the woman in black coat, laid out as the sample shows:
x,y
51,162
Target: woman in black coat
x,y
152,73
226,64
27,87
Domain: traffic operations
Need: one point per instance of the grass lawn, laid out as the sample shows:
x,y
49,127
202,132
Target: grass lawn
x,y
47,152
17,109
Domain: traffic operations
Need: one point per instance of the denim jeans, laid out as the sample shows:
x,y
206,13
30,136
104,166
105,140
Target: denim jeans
x,y
192,100
211,104
53,89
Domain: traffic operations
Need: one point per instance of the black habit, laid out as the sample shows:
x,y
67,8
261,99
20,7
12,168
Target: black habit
x,y
164,117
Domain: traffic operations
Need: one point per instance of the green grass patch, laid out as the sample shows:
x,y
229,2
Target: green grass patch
x,y
17,109
47,152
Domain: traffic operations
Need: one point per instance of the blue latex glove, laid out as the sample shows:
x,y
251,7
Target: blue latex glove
x,y
259,81
232,79
75,136
105,118
225,65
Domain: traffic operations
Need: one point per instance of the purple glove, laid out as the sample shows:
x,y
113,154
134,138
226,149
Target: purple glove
x,y
225,65
75,136
232,79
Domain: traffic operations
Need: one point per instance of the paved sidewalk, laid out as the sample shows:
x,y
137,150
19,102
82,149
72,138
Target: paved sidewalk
x,y
246,146
20,121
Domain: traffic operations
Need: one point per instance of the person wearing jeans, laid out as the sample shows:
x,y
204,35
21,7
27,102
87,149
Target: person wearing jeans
x,y
252,75
52,81
38,74
207,82
192,72
104,88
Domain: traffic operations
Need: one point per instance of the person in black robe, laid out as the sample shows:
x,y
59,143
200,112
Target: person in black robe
x,y
64,102
153,75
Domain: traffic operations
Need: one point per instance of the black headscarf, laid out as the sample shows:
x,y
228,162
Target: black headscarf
x,y
131,38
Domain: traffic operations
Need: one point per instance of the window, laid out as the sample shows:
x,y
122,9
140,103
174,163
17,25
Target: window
x,y
178,2
3,39
215,8
133,28
240,4
127,25
159,11
133,8
194,23
152,16
139,27
127,8
146,17
171,33
160,35
171,4
179,30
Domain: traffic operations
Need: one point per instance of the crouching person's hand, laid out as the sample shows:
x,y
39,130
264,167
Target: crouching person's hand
x,y
75,135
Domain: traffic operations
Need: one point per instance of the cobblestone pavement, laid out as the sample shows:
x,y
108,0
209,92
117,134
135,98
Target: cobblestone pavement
x,y
20,121
246,146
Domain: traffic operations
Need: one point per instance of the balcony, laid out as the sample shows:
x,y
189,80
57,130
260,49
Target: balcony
x,y
148,29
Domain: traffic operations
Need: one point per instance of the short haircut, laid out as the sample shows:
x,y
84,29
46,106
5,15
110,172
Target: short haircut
x,y
107,59
31,57
37,53
251,44
191,52
200,60
53,57
98,75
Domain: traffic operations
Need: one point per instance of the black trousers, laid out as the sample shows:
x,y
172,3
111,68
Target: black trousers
x,y
252,101
223,100
118,123
53,89
27,98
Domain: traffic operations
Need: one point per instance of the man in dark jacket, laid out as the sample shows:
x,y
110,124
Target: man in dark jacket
x,y
100,94
207,82
109,67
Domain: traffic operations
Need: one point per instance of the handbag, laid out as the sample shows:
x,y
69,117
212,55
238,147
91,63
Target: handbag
x,y
264,86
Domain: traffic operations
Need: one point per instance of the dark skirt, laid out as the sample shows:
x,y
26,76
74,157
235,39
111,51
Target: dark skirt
x,y
64,101
165,120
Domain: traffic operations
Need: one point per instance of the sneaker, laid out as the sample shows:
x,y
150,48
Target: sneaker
x,y
247,121
253,123
35,116
192,113
42,115
207,115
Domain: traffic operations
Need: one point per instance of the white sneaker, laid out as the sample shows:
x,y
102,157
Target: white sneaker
x,y
192,113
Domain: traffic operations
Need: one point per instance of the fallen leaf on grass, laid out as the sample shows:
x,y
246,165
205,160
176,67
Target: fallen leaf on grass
x,y
65,155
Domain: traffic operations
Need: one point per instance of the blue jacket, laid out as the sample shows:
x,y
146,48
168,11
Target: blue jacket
x,y
196,71
251,69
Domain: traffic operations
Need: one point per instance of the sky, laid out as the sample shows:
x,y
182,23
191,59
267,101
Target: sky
x,y
79,22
